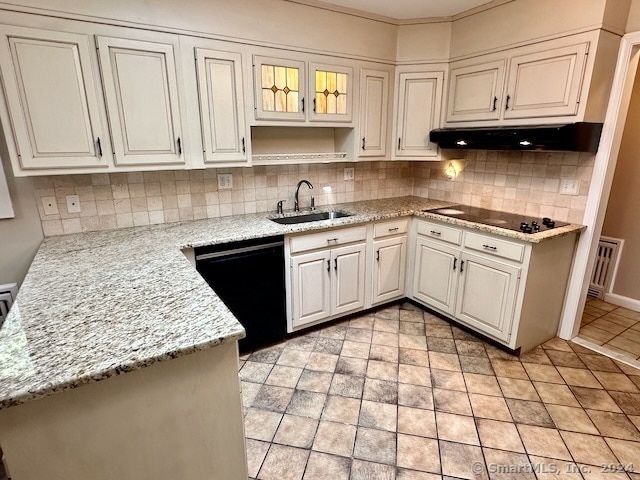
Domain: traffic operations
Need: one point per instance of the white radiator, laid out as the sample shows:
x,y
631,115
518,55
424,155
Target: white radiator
x,y
7,296
604,266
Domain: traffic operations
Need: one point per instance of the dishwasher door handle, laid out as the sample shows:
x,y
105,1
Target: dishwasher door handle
x,y
226,253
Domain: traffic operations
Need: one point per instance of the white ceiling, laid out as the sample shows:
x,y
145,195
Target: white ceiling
x,y
409,9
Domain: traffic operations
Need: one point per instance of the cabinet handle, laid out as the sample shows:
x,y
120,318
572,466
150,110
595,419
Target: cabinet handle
x,y
179,146
437,234
378,255
490,247
244,147
399,142
495,101
395,229
99,147
329,240
336,264
462,266
363,143
455,263
506,107
314,105
302,104
329,266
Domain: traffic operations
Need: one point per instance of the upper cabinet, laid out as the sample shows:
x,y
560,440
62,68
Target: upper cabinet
x,y
417,112
543,83
141,92
282,92
332,93
224,130
279,89
374,101
53,106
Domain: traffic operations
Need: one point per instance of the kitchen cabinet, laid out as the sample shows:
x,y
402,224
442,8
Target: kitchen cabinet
x,y
279,88
53,105
417,112
224,130
389,261
332,93
487,294
374,101
141,93
508,290
538,82
327,274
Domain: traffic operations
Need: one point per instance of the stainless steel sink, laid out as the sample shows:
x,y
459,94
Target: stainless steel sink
x,y
311,217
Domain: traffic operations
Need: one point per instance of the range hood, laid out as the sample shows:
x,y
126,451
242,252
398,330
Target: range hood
x,y
573,137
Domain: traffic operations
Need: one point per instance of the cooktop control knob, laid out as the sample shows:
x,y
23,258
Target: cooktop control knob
x,y
525,228
546,220
523,225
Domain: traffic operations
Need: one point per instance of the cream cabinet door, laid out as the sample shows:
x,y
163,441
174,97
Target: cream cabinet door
x,y
546,84
51,94
418,112
348,270
475,92
435,278
279,87
487,295
224,131
389,267
374,101
141,91
311,287
331,92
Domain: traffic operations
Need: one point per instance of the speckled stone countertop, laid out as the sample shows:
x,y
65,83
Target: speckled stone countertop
x,y
100,304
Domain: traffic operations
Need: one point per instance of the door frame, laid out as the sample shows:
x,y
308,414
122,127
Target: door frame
x,y
601,181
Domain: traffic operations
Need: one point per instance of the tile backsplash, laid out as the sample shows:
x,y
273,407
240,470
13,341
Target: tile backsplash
x,y
120,200
522,182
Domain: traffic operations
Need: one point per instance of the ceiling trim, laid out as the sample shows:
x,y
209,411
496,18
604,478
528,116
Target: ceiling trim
x,y
394,21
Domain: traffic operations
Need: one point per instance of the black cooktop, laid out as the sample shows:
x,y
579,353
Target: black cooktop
x,y
510,221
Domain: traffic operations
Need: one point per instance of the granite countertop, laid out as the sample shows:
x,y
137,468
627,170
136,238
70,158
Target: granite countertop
x,y
99,304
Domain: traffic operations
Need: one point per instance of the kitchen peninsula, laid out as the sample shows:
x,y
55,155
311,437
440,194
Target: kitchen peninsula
x,y
118,360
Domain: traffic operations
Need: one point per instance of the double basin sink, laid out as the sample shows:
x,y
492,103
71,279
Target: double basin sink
x,y
310,217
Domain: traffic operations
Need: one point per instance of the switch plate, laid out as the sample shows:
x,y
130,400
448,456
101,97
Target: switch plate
x,y
569,186
349,173
225,181
73,204
50,205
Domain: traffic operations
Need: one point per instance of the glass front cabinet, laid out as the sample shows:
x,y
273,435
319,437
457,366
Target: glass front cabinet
x,y
280,91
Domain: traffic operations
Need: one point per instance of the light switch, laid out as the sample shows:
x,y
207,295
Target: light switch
x,y
569,186
225,181
73,204
50,205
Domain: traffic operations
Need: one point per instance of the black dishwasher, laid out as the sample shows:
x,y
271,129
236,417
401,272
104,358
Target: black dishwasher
x,y
249,278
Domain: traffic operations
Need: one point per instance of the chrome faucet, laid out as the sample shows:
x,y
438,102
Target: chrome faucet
x,y
296,205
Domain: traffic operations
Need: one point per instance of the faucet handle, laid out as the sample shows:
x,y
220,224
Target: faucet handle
x,y
313,204
279,207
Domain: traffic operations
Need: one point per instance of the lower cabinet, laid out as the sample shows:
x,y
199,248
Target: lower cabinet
x,y
389,268
435,277
327,282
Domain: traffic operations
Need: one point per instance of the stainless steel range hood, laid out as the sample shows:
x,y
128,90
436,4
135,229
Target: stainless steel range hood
x,y
573,137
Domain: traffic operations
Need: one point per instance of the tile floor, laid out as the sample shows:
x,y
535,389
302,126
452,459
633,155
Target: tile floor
x,y
612,327
402,394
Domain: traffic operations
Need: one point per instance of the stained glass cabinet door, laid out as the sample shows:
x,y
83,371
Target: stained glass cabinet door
x,y
279,89
332,91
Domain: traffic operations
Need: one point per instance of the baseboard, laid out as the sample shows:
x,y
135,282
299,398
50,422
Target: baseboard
x,y
622,301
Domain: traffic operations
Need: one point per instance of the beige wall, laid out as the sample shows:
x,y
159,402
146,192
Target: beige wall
x,y
273,21
21,236
621,220
429,41
633,21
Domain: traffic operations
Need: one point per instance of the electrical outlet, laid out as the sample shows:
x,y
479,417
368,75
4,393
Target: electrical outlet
x,y
569,186
349,173
50,205
225,181
73,204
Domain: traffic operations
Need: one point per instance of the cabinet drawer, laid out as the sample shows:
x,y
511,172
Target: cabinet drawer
x,y
328,238
441,232
499,248
394,227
